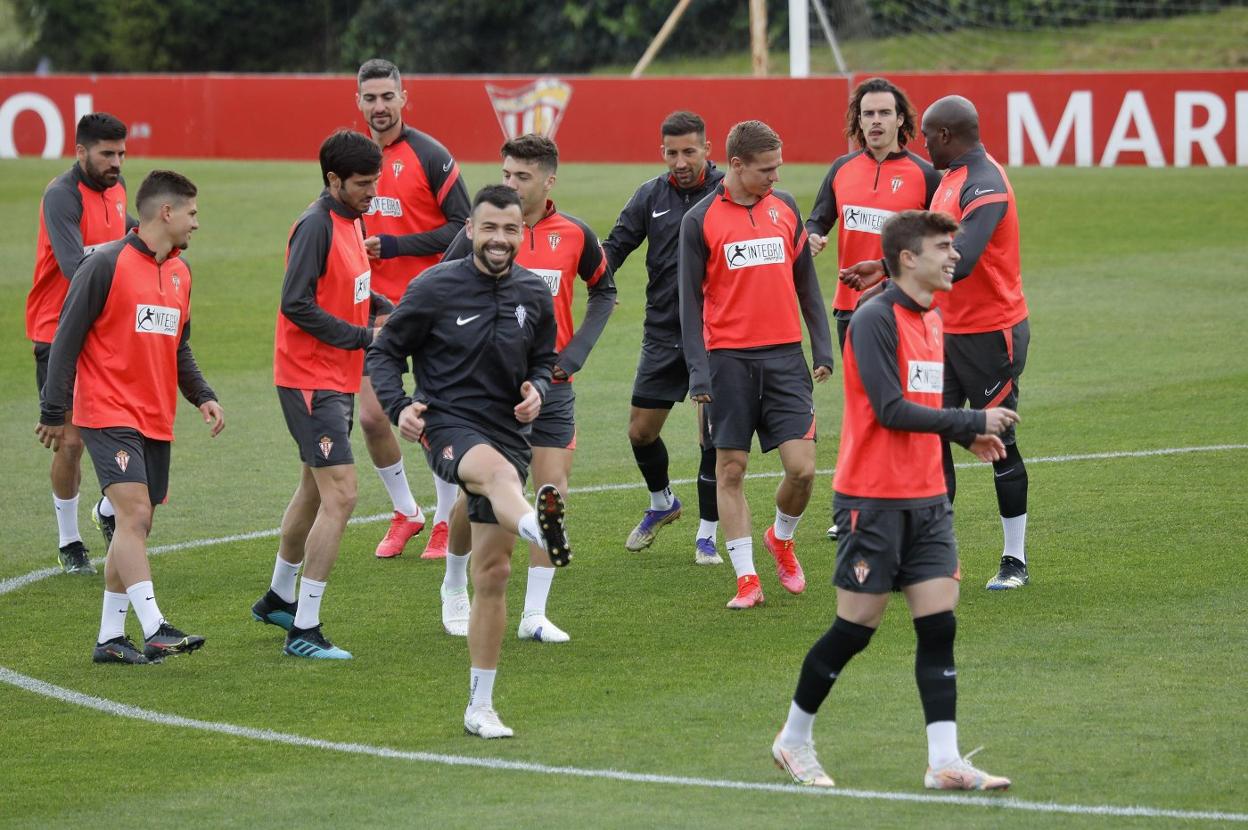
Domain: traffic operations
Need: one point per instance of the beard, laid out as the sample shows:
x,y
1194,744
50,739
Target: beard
x,y
492,266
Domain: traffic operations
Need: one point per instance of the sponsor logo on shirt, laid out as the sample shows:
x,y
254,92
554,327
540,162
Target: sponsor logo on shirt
x,y
552,277
925,376
751,252
864,219
157,319
363,286
385,205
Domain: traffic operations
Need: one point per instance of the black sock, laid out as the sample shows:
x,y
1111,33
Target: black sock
x,y
946,461
933,666
1010,477
652,461
825,660
708,505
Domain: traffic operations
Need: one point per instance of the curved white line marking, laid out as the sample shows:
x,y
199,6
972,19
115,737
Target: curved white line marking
x,y
49,690
270,736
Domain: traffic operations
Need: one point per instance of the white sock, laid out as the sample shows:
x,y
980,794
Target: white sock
x,y
785,525
67,519
143,601
1015,529
113,617
530,530
741,552
538,590
401,496
106,507
456,571
481,688
798,729
284,576
662,499
308,614
447,492
707,530
942,743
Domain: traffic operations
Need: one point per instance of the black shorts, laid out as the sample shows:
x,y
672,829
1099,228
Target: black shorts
x,y
662,376
984,369
556,423
773,396
122,454
42,350
320,421
879,551
445,447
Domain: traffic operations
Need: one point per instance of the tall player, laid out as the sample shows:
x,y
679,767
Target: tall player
x,y
987,332
130,305
746,283
654,213
865,187
421,204
326,319
558,248
890,501
81,209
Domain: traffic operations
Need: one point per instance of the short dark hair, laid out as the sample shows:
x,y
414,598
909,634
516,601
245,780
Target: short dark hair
x,y
95,127
163,184
748,139
535,148
377,68
498,195
906,231
683,122
347,153
909,119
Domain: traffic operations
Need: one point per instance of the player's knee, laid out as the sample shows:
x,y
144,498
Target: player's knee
x,y
339,500
641,434
801,474
374,423
730,472
72,447
135,518
490,578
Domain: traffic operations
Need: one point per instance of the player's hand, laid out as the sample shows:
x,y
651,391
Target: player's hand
x,y
531,405
999,419
372,246
822,373
817,243
862,275
411,425
558,374
703,397
213,415
987,448
50,437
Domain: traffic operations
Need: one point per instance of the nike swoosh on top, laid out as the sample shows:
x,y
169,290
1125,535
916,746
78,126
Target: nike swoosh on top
x,y
655,214
446,168
459,321
979,192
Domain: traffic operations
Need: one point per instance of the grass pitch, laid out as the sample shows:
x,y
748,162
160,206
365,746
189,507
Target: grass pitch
x,y
1115,679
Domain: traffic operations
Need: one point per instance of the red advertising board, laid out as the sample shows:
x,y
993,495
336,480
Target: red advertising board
x,y
1177,119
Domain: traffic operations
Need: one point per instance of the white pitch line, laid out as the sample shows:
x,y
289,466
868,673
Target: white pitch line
x,y
124,710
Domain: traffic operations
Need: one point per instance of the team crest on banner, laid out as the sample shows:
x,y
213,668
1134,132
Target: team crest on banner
x,y
553,238
897,183
397,167
521,313
775,215
327,446
535,108
123,459
861,571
